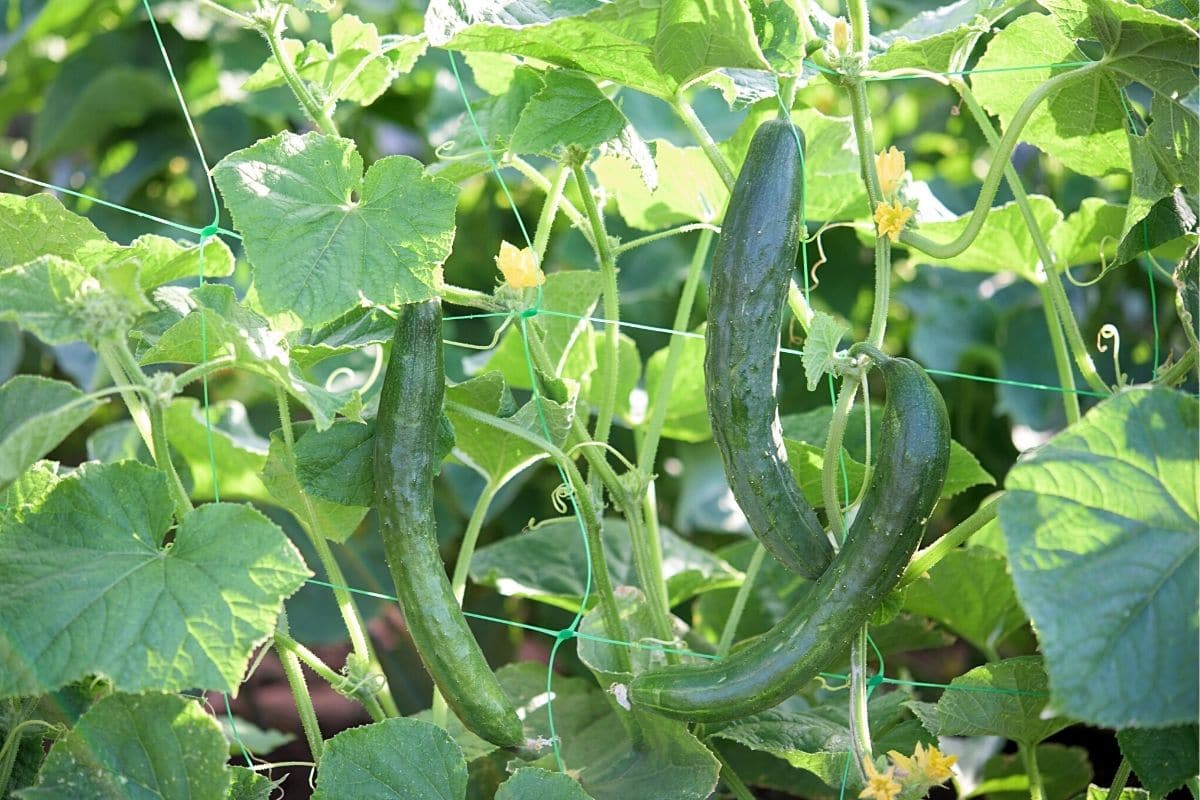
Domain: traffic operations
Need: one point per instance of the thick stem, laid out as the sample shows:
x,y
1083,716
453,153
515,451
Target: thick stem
x,y
721,164
1054,325
554,195
310,522
883,283
471,298
925,559
612,309
860,25
1029,756
729,632
1178,372
1062,307
1118,781
860,731
1000,158
273,34
304,703
648,452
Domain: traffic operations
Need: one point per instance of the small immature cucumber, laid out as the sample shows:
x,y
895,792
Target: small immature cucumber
x,y
407,459
751,270
914,454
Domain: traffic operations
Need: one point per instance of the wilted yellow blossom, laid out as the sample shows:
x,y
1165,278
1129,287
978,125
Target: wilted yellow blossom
x,y
519,267
891,219
890,166
841,35
880,785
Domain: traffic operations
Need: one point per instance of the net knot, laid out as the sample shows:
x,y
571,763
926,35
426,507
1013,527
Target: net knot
x,y
529,312
565,635
209,231
875,680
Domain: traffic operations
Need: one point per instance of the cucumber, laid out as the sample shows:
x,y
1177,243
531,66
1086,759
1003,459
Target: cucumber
x,y
914,455
407,459
751,270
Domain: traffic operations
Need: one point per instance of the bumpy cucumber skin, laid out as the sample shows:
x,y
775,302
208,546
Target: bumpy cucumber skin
x,y
914,454
406,463
751,269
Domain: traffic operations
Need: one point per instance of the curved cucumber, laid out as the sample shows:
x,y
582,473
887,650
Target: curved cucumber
x,y
407,459
751,269
914,454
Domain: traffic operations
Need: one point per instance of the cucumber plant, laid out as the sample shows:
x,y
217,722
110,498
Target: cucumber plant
x,y
225,450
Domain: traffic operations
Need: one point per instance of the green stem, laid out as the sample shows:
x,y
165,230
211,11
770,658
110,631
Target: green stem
x,y
12,748
123,359
539,180
735,784
311,522
242,18
729,632
1178,372
614,628
883,283
925,559
860,731
462,568
1054,325
199,371
471,298
633,244
692,122
336,680
1118,781
304,703
831,466
1029,756
610,299
1062,307
273,34
1000,158
554,195
860,25
865,138
655,420
801,310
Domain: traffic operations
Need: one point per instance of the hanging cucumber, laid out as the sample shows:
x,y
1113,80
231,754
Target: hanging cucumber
x,y
407,459
751,270
914,454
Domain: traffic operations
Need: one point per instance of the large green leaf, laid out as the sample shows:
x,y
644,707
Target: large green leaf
x,y
161,260
281,477
548,564
1103,517
136,746
237,453
1006,698
1162,758
689,187
35,415
652,48
396,759
190,614
1082,123
939,39
322,237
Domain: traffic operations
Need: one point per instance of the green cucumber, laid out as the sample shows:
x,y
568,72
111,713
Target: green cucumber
x,y
751,270
914,454
407,459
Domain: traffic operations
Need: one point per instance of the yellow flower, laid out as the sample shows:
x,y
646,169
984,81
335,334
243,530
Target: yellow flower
x,y
891,219
880,785
934,764
908,765
519,267
890,166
